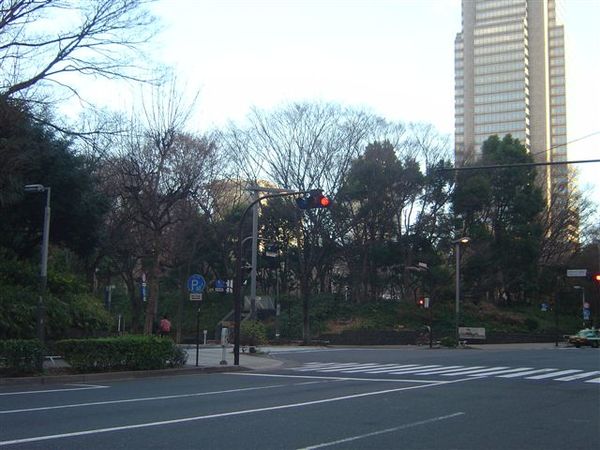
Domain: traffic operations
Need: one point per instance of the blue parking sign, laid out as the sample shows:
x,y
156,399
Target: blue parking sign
x,y
196,283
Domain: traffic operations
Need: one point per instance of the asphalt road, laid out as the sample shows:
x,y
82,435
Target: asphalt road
x,y
329,398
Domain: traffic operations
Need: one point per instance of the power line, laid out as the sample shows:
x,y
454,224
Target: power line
x,y
531,164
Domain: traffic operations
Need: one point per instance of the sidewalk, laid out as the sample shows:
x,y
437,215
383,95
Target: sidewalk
x,y
213,355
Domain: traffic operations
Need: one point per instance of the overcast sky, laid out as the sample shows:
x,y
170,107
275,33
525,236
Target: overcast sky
x,y
394,57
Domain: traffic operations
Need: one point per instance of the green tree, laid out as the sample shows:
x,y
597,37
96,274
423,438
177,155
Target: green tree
x,y
32,153
500,210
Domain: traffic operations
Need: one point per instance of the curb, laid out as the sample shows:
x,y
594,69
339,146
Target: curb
x,y
104,376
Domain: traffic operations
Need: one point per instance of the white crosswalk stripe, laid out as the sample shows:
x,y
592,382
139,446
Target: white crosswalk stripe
x,y
434,370
473,372
527,372
393,367
552,374
578,376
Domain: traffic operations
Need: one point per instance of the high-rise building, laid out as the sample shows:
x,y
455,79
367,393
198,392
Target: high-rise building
x,y
510,79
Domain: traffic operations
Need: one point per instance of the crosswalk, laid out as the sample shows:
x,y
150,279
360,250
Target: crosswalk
x,y
435,370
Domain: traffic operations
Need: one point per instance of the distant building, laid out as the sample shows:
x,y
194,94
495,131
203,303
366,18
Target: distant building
x,y
510,79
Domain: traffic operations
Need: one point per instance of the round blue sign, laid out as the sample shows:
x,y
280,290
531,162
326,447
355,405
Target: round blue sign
x,y
196,283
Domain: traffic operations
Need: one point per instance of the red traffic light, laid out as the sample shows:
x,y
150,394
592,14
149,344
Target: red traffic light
x,y
421,302
596,277
313,199
324,201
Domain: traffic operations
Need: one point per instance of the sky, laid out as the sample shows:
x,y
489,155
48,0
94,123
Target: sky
x,y
392,57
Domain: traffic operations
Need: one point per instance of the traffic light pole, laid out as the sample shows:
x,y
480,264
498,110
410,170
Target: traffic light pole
x,y
238,277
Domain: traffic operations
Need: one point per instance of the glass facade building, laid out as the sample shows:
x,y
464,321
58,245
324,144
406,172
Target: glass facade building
x,y
510,79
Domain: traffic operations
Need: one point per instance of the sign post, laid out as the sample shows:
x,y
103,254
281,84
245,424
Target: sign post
x,y
195,285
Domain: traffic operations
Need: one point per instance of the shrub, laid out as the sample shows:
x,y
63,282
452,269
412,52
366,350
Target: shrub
x,y
20,356
121,353
252,333
531,324
448,341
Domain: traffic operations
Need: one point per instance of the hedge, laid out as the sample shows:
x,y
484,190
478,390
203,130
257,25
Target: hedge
x,y
121,353
20,356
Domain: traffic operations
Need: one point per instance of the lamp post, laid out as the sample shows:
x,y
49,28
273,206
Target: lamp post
x,y
40,312
457,243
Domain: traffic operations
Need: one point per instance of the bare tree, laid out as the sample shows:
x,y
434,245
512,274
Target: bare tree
x,y
301,146
43,42
160,170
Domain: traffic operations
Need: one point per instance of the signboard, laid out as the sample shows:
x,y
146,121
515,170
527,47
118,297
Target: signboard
x,y
220,286
471,333
196,283
196,297
577,273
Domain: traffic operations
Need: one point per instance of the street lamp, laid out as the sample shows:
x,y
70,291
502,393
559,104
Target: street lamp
x,y
457,243
40,313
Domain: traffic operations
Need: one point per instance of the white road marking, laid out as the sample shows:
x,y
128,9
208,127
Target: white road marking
x,y
387,430
388,369
500,372
378,367
340,367
471,372
552,374
334,378
313,366
579,376
412,370
527,372
447,371
218,415
438,370
87,387
142,399
333,367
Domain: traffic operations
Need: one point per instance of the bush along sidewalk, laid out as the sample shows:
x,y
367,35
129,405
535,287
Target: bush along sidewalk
x,y
121,353
20,357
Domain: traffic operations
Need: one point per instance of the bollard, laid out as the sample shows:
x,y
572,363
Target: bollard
x,y
224,334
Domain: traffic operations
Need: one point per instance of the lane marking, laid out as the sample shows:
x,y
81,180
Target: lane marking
x,y
553,374
387,430
578,376
595,380
218,415
141,399
87,387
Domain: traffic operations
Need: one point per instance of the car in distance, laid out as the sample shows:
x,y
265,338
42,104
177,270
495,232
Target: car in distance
x,y
587,336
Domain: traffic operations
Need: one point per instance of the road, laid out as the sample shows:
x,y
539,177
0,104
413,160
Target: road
x,y
367,398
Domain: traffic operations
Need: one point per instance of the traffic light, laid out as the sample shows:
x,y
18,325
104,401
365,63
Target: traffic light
x,y
313,199
596,278
421,302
